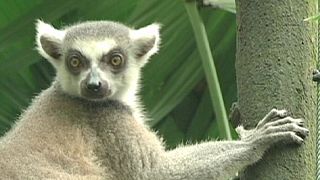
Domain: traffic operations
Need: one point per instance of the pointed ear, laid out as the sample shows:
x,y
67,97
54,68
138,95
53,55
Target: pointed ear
x,y
146,41
49,41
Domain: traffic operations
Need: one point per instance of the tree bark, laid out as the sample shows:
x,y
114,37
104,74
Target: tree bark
x,y
276,53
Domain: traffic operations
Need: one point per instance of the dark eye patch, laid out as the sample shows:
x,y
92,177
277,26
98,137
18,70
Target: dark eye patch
x,y
85,63
105,59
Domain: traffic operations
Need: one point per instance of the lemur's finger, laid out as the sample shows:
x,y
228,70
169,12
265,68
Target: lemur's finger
x,y
274,113
289,127
285,137
285,120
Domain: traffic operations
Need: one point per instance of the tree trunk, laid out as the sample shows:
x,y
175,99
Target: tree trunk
x,y
276,53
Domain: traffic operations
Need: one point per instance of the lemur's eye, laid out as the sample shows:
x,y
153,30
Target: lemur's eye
x,y
74,62
116,60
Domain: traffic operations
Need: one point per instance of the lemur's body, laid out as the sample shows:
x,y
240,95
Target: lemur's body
x,y
64,137
87,125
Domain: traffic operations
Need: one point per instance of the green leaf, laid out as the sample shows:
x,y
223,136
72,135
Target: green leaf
x,y
209,69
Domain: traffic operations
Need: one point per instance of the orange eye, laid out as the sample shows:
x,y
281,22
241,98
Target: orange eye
x,y
116,60
74,62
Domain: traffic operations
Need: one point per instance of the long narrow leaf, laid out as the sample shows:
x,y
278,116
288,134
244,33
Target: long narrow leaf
x,y
209,68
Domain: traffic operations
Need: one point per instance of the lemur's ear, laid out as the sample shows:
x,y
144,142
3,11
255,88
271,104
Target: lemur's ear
x,y
49,41
146,41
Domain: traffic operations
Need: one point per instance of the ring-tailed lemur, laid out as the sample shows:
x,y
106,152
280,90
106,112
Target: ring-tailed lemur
x,y
88,124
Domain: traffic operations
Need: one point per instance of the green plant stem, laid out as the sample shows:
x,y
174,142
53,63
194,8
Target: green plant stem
x,y
209,69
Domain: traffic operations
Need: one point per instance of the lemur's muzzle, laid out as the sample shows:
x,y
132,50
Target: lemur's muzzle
x,y
93,87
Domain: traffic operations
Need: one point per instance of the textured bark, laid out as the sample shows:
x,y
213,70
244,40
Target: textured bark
x,y
276,53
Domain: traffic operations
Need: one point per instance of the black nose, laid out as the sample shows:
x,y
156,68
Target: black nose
x,y
96,86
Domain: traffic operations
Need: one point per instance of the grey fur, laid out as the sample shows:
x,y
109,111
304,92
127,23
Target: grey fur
x,y
98,30
61,136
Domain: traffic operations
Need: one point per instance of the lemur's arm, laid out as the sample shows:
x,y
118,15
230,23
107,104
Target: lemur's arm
x,y
221,160
212,160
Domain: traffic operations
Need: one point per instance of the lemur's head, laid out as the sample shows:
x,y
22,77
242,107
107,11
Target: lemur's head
x,y
98,60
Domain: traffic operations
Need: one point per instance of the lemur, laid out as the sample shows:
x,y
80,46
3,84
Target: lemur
x,y
89,124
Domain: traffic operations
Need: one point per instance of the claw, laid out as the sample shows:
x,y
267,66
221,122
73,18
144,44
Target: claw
x,y
302,132
316,75
307,132
300,122
299,140
301,135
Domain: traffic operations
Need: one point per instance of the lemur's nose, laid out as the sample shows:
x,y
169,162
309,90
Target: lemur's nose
x,y
94,86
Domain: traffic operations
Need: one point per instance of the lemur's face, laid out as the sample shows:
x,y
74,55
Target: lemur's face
x,y
98,60
96,69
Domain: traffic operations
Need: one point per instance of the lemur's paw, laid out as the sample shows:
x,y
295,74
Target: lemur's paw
x,y
276,127
285,130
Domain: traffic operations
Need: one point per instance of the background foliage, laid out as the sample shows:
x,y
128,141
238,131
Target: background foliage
x,y
174,88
